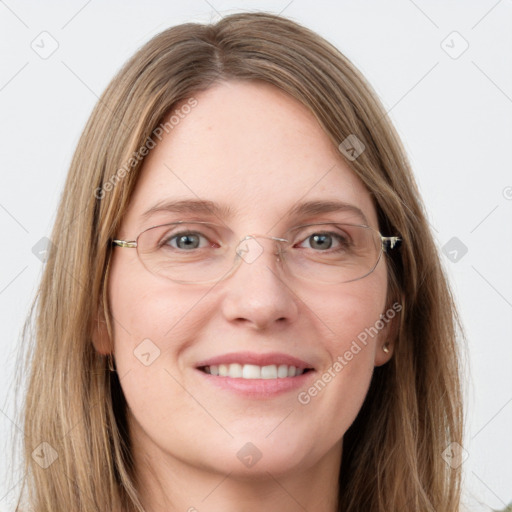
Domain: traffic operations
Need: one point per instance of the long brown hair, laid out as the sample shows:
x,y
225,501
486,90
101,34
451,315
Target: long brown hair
x,y
392,453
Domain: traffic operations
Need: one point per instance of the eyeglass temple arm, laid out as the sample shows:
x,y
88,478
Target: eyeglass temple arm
x,y
391,242
123,243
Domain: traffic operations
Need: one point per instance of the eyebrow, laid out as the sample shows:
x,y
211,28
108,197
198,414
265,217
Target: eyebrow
x,y
196,206
206,207
311,208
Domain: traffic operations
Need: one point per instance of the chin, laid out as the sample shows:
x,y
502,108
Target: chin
x,y
277,463
255,454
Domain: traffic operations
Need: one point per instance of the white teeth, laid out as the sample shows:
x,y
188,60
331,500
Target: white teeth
x,y
235,370
282,371
252,371
269,372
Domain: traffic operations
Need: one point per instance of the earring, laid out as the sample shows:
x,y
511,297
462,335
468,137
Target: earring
x,y
111,363
386,348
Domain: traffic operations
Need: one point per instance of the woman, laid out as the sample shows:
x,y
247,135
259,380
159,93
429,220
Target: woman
x,y
244,307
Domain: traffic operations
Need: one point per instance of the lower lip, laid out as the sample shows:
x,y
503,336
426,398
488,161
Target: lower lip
x,y
258,388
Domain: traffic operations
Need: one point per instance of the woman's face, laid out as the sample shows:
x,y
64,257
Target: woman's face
x,y
249,147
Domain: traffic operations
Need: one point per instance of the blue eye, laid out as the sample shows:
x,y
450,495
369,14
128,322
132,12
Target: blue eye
x,y
185,240
323,241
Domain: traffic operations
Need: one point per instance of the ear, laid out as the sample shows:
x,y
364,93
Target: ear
x,y
100,336
385,342
382,357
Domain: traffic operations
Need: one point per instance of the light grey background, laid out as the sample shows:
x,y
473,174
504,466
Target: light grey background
x,y
452,109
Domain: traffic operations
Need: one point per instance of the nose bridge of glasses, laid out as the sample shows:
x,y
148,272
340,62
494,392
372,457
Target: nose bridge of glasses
x,y
249,249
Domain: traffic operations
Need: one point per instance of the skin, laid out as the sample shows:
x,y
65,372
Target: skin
x,y
266,153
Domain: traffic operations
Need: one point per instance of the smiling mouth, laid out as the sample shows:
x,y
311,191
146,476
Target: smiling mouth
x,y
252,371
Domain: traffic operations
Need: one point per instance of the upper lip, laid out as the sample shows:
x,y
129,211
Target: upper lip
x,y
268,359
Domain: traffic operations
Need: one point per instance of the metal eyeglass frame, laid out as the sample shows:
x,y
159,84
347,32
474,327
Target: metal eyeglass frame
x,y
387,242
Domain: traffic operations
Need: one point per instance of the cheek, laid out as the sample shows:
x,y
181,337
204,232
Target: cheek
x,y
143,313
349,322
145,306
350,316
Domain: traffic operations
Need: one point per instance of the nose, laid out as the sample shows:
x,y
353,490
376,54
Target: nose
x,y
256,293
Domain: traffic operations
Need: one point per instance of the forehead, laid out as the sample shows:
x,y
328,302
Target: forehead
x,y
252,149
